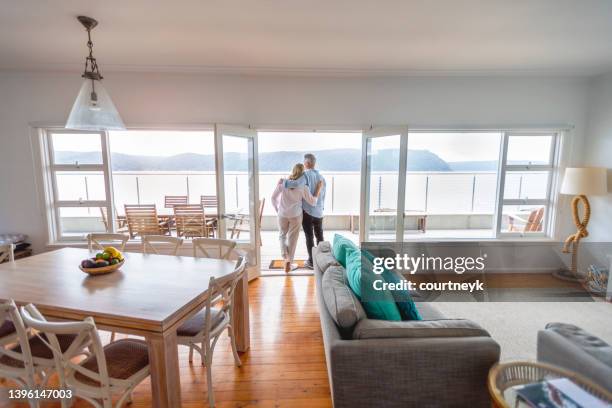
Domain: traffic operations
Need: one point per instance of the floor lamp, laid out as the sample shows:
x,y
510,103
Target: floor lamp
x,y
580,182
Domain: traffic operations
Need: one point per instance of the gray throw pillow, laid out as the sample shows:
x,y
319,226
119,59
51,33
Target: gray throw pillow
x,y
341,302
324,260
324,246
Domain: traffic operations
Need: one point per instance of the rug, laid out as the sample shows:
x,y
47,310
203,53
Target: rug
x,y
280,264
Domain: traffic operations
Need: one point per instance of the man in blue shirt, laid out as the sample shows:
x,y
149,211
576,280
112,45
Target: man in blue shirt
x,y
312,220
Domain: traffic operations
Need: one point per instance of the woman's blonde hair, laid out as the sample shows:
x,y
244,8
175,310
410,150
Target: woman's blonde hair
x,y
297,172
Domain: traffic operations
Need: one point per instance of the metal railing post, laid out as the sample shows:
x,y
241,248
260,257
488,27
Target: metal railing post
x,y
473,190
138,190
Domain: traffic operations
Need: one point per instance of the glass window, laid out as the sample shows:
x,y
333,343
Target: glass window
x,y
527,219
148,165
529,150
524,185
77,148
451,183
80,186
77,222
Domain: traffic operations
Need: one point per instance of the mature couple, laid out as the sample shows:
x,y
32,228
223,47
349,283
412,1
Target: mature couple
x,y
298,200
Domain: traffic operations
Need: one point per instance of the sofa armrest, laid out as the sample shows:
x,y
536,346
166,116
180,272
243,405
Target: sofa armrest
x,y
379,329
417,372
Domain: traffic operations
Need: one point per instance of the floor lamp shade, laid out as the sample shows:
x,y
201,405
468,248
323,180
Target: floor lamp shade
x,y
94,109
585,181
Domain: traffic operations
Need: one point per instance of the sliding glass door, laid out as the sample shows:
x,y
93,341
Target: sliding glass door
x,y
383,186
239,206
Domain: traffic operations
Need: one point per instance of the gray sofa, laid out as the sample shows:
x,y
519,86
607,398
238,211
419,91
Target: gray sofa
x,y
570,347
435,362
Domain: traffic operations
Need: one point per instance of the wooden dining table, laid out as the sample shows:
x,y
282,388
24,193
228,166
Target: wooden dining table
x,y
150,296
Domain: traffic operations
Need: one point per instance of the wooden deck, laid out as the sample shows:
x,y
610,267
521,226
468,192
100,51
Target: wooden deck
x,y
285,366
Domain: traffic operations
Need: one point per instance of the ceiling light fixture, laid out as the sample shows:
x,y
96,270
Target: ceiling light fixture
x,y
93,108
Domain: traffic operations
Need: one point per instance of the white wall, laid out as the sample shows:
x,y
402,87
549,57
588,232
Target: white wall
x,y
598,152
188,99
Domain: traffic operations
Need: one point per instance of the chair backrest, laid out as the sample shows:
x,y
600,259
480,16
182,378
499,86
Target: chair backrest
x,y
9,311
96,241
213,248
534,222
171,200
221,291
142,219
209,201
86,334
161,244
7,253
190,220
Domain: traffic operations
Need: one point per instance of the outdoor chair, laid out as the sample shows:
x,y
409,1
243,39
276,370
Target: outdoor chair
x,y
143,220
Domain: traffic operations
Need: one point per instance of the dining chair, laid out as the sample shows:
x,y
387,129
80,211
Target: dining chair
x,y
191,221
209,201
161,244
7,253
213,248
16,363
98,241
120,226
171,200
533,223
202,331
116,368
29,358
143,220
242,222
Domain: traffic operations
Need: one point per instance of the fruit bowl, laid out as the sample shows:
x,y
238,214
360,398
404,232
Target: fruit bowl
x,y
102,270
104,262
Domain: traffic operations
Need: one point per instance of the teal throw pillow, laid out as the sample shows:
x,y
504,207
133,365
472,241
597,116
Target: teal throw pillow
x,y
339,247
403,299
378,304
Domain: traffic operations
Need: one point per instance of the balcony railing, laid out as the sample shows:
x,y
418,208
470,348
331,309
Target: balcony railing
x,y
430,192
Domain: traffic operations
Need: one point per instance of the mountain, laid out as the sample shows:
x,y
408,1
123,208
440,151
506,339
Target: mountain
x,y
327,160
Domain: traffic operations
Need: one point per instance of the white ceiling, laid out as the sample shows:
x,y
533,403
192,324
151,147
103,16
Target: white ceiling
x,y
370,37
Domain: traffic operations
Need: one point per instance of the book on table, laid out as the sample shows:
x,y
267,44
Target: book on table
x,y
555,393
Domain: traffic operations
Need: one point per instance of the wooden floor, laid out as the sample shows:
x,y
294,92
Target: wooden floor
x,y
285,366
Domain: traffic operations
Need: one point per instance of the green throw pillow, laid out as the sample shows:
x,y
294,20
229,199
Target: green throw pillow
x,y
341,244
378,304
403,300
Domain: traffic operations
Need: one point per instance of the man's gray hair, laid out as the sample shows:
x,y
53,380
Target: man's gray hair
x,y
310,159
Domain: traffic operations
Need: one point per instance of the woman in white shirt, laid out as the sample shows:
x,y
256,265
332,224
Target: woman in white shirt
x,y
288,204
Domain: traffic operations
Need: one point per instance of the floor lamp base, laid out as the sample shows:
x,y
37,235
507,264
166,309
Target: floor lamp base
x,y
569,276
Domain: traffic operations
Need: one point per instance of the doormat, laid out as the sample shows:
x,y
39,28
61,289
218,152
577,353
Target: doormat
x,y
280,264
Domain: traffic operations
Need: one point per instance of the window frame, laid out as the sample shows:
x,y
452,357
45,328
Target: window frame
x,y
54,204
551,191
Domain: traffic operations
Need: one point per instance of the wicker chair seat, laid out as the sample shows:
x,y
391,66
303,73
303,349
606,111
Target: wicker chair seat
x,y
124,358
195,325
6,328
39,350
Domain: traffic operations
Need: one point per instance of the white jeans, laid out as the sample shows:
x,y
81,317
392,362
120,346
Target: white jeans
x,y
289,232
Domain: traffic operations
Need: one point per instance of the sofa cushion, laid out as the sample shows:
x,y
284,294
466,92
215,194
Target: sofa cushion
x,y
340,300
380,329
340,246
324,260
324,246
583,340
378,304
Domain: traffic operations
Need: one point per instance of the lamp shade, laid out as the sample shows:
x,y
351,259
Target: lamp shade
x,y
93,109
585,181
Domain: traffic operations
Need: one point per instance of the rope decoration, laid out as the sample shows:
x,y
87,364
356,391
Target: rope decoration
x,y
574,239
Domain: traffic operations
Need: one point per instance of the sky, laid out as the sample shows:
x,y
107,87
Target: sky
x,y
451,147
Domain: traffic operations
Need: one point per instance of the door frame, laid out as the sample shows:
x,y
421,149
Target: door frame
x,y
364,210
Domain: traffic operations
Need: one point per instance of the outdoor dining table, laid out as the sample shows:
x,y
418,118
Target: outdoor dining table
x,y
150,296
